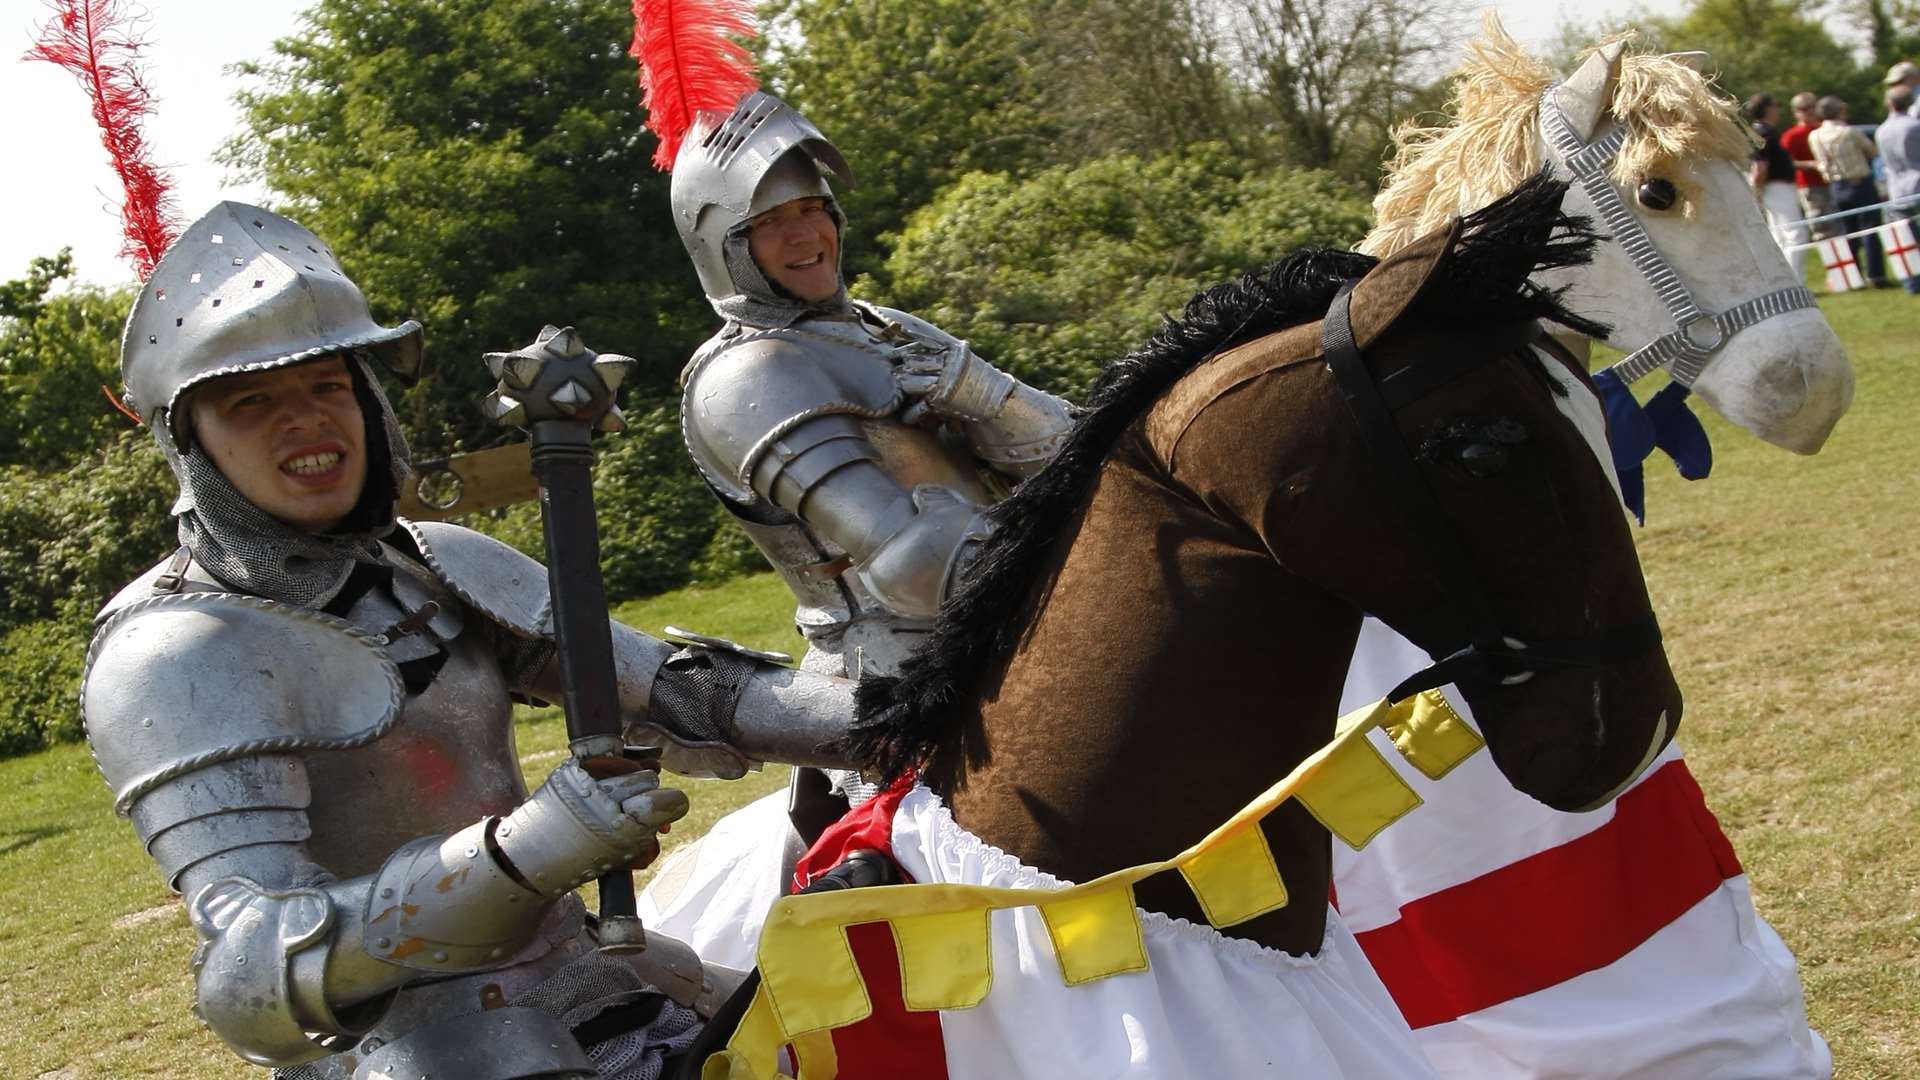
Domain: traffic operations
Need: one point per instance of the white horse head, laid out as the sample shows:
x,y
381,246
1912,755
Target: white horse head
x,y
1690,278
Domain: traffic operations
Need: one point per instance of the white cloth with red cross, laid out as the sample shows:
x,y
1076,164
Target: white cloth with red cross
x,y
1523,942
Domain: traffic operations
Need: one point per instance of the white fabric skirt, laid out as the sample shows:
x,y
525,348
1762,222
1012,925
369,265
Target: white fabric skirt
x,y
1210,1007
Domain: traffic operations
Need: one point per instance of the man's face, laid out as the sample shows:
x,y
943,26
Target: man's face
x,y
291,440
1806,115
797,246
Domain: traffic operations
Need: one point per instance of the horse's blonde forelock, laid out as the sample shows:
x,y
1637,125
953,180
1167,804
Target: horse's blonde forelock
x,y
1487,144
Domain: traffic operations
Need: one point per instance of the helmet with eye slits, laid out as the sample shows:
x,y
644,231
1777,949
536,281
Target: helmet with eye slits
x,y
733,168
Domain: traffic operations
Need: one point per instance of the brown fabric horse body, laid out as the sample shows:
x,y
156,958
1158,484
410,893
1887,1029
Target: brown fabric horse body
x,y
1184,639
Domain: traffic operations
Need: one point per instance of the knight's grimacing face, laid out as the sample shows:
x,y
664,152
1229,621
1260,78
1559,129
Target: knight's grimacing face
x,y
292,440
797,245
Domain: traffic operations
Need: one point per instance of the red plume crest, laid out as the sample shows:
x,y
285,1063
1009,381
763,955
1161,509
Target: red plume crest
x,y
94,40
690,63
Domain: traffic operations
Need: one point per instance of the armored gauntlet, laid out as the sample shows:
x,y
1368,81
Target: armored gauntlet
x,y
1013,427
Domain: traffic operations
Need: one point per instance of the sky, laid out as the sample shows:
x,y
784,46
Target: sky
x,y
61,192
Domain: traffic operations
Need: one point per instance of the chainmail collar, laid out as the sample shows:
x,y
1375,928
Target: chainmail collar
x,y
254,552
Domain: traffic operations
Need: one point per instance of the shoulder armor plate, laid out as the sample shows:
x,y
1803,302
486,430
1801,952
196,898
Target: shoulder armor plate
x,y
749,391
178,683
493,578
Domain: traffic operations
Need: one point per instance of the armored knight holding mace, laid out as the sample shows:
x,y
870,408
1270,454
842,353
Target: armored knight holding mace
x,y
305,709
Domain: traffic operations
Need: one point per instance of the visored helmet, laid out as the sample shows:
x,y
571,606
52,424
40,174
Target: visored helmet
x,y
244,289
733,168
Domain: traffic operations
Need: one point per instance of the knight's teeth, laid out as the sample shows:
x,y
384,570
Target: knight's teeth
x,y
312,463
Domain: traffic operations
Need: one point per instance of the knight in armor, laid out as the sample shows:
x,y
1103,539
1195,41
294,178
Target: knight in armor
x,y
857,445
305,711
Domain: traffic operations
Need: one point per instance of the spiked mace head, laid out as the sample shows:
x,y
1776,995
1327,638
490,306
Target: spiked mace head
x,y
557,378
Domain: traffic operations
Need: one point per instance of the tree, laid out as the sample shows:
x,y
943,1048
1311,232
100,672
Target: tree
x,y
56,353
1332,77
915,93
1055,275
479,165
1780,47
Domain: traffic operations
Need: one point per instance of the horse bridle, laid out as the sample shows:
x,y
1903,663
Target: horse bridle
x,y
1698,333
1476,651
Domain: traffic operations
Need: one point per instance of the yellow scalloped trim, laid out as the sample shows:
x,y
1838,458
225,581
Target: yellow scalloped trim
x,y
810,984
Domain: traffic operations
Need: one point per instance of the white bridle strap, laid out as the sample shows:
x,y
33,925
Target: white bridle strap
x,y
1697,333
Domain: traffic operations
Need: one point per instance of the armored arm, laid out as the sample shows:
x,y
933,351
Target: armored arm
x,y
710,717
201,709
773,419
1013,427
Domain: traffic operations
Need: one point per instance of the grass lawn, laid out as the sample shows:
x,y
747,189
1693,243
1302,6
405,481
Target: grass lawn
x,y
1786,586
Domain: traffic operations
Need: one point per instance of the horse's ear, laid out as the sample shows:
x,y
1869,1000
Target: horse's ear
x,y
1695,60
1585,95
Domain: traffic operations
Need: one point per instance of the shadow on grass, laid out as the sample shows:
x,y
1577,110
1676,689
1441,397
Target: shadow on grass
x,y
12,840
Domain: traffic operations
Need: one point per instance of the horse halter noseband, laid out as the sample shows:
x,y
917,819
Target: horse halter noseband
x,y
1698,333
1476,651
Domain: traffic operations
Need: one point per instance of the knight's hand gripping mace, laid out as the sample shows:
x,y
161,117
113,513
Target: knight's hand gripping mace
x,y
561,392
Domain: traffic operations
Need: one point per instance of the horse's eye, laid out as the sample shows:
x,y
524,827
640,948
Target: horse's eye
x,y
1658,194
1483,459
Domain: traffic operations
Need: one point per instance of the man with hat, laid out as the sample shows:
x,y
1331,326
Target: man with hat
x,y
306,712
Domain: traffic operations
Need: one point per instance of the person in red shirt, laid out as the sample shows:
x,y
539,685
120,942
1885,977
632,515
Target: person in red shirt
x,y
1816,198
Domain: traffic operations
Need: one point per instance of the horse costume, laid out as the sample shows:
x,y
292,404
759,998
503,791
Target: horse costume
x,y
1201,552
1522,942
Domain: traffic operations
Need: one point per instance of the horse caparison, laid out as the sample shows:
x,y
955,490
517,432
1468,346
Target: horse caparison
x,y
1161,623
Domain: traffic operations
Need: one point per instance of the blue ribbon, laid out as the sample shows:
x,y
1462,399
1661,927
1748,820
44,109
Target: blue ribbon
x,y
1635,430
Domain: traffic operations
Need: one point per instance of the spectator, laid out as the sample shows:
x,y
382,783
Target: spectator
x,y
1846,158
1904,74
1772,177
1816,198
1899,141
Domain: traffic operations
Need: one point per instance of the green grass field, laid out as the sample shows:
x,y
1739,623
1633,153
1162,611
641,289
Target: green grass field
x,y
1786,586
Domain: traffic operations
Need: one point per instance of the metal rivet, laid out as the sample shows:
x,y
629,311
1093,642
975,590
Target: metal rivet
x,y
440,955
240,959
473,852
383,943
146,721
386,894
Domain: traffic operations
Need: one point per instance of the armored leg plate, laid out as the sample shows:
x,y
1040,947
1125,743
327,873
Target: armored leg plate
x,y
499,1044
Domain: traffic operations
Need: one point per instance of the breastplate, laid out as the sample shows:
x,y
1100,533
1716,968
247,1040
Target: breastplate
x,y
743,390
447,762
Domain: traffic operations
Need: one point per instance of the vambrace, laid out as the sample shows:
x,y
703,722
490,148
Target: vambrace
x,y
750,711
1024,434
288,976
1013,427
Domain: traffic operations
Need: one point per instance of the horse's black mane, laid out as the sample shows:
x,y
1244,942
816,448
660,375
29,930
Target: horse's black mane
x,y
902,720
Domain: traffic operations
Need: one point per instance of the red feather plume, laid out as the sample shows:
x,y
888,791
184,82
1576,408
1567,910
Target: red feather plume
x,y
690,62
94,40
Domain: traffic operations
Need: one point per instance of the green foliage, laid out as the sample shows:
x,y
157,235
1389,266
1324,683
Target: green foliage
x,y
40,665
70,539
914,93
56,353
479,165
1779,47
1056,275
